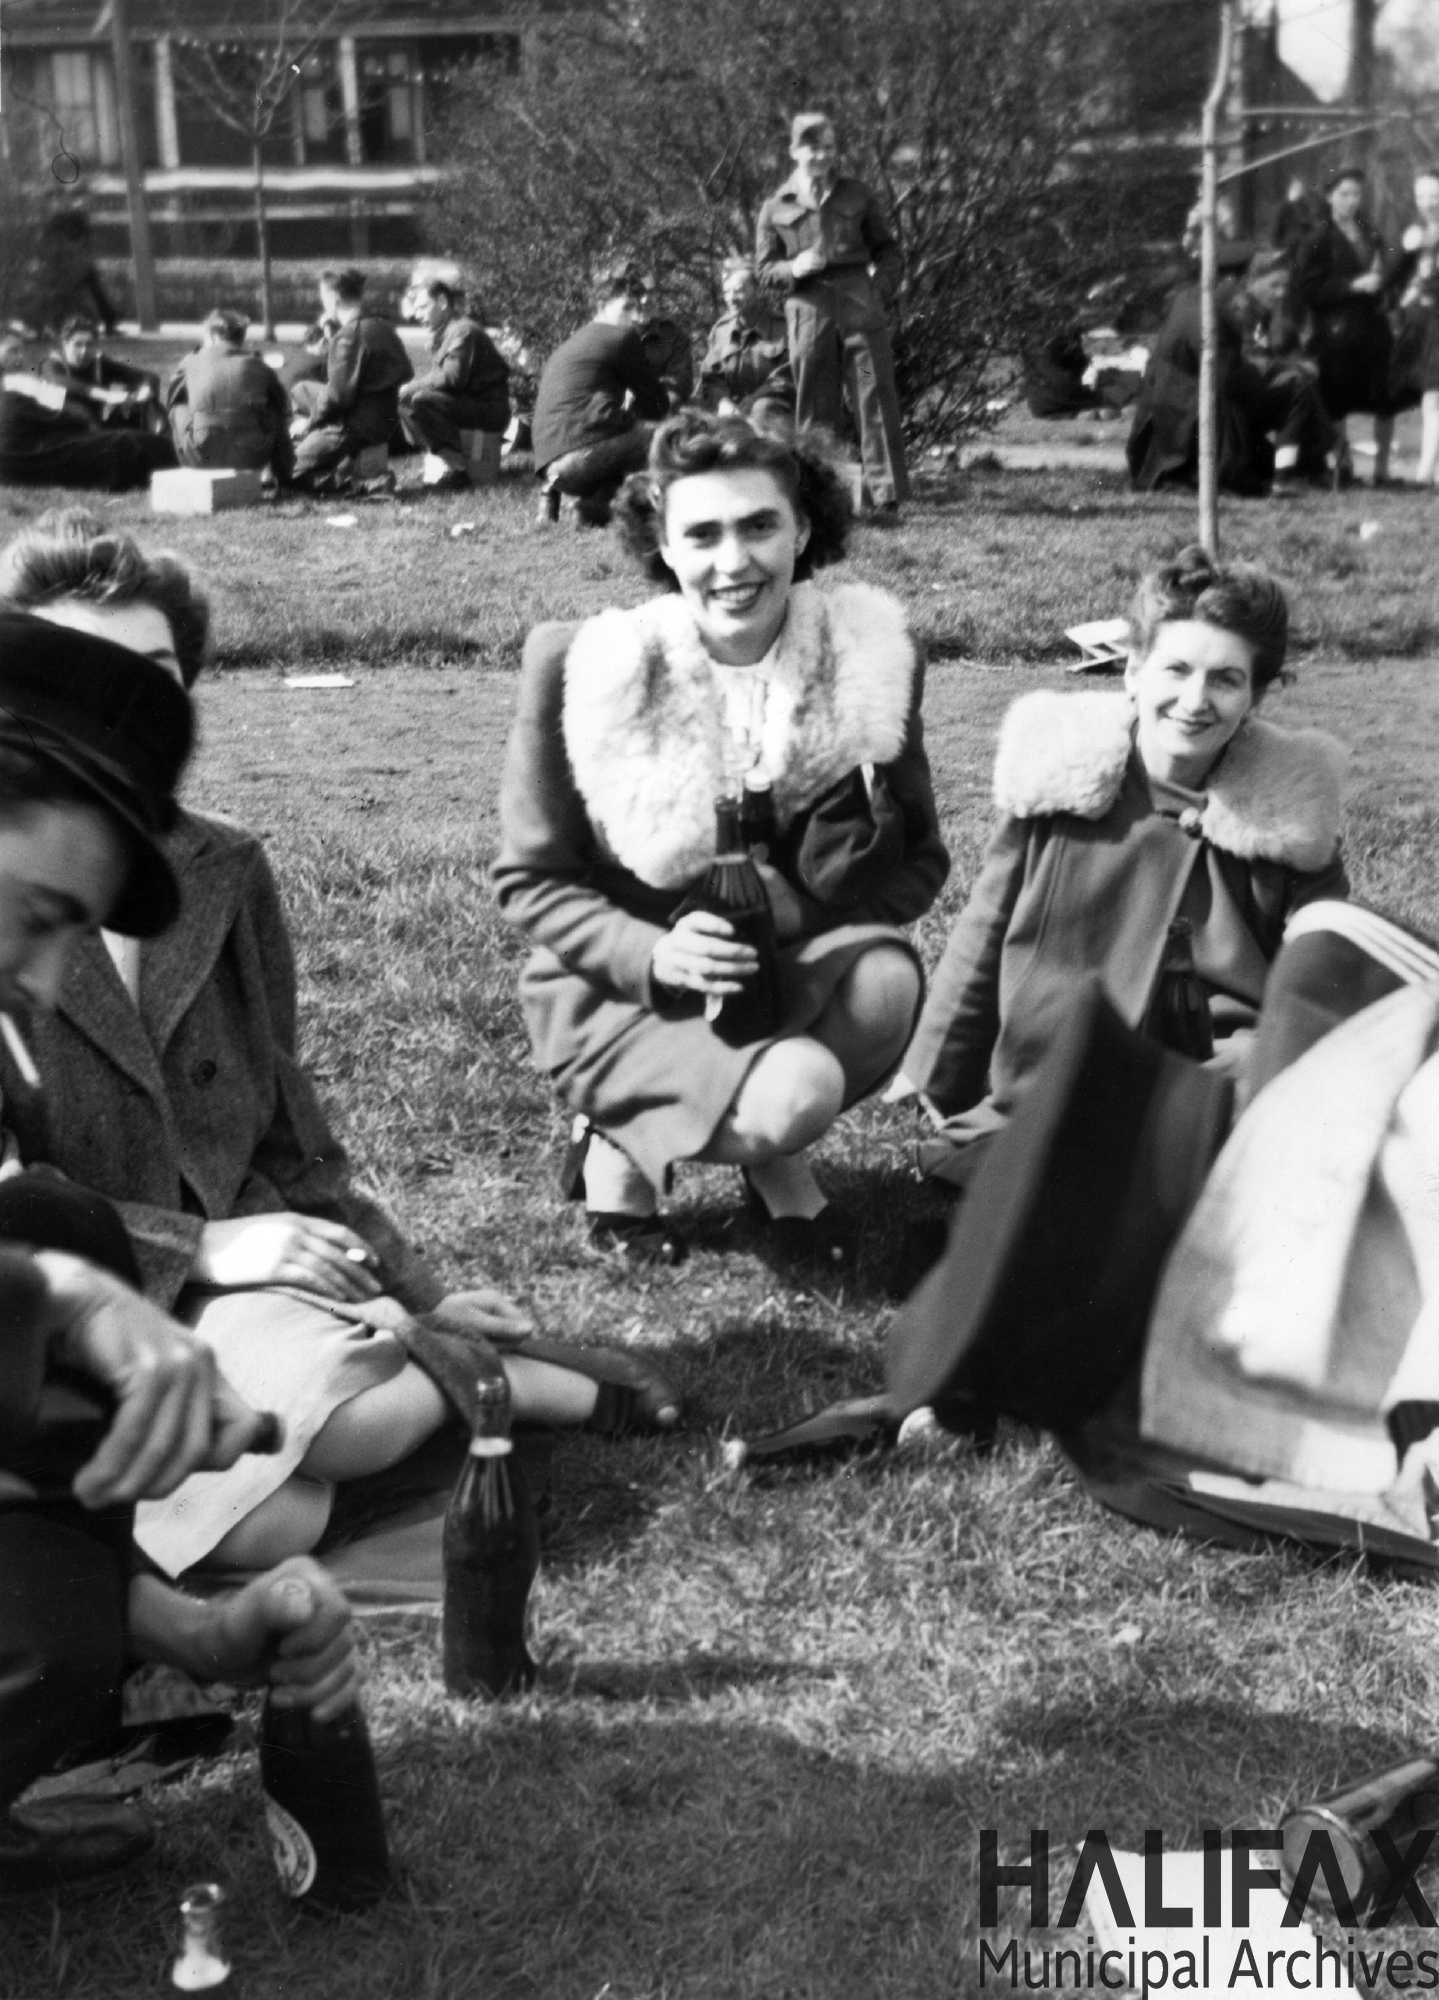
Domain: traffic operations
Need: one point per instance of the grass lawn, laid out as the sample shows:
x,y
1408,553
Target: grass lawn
x,y
774,1714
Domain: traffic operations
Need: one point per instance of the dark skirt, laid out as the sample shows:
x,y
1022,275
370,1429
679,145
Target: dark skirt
x,y
1353,348
1416,353
659,1087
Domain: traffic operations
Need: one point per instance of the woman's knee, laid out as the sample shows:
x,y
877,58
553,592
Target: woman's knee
x,y
289,1522
880,993
794,1093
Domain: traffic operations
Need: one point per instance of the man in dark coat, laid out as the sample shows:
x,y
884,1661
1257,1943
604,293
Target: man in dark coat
x,y
97,386
746,364
228,407
1256,402
465,388
44,444
823,240
366,369
103,1399
595,391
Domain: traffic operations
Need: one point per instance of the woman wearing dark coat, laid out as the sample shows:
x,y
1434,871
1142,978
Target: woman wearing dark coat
x,y
629,728
1339,282
1119,814
1415,278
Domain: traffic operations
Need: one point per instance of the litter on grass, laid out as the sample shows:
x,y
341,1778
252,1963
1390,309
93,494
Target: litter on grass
x,y
1103,643
342,520
318,681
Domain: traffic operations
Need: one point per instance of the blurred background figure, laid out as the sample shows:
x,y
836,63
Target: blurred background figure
x,y
1339,281
44,443
227,407
97,386
466,387
746,362
1416,350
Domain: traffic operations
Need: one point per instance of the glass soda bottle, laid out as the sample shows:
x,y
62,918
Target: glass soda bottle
x,y
757,826
732,889
491,1548
322,1808
1178,1013
202,1966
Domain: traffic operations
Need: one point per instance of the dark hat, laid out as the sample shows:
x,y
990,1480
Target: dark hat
x,y
229,324
805,122
1040,1302
116,724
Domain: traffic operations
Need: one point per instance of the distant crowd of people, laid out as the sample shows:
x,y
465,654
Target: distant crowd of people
x,y
1325,323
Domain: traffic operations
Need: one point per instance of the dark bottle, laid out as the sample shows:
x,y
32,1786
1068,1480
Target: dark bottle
x,y
492,1550
202,1966
756,817
732,889
322,1808
1178,1013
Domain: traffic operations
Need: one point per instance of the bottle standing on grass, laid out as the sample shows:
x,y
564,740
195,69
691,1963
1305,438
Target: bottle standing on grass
x,y
491,1551
202,1966
322,1807
1178,1014
732,889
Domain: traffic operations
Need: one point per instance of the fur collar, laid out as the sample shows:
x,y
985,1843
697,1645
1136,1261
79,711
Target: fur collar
x,y
1275,795
642,718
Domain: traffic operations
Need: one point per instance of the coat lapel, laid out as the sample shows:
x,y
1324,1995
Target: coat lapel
x,y
213,871
94,1001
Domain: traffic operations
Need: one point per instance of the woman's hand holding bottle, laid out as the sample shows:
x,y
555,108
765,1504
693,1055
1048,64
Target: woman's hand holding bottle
x,y
701,954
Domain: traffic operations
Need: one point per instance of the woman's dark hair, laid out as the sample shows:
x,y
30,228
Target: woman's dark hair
x,y
78,323
695,441
69,552
440,288
1341,174
348,284
1234,597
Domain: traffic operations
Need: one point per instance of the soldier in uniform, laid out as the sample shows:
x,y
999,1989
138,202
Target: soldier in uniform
x,y
746,364
823,241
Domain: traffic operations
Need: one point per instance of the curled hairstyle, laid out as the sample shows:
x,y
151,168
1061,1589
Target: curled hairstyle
x,y
696,441
69,552
1234,597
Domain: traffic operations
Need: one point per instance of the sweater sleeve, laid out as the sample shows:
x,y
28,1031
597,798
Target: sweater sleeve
x,y
912,888
548,853
950,1054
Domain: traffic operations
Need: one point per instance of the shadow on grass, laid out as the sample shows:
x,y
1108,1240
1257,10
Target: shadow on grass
x,y
698,1676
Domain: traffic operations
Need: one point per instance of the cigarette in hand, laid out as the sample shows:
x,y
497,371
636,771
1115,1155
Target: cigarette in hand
x,y
20,1055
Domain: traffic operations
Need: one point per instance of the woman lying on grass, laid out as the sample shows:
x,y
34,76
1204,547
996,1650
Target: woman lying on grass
x,y
1120,814
172,1088
630,727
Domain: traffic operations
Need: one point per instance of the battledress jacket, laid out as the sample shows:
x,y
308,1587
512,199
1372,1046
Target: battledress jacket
x,y
607,824
1085,873
194,1108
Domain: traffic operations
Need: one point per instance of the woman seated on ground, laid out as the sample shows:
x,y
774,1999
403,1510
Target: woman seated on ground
x,y
630,726
172,1088
1120,814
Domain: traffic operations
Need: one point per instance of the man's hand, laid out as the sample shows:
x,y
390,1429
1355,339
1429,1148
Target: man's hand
x,y
702,955
286,1249
177,1414
808,262
484,1311
288,1631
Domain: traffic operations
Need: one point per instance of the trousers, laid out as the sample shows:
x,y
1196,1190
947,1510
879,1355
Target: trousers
x,y
838,344
594,473
432,419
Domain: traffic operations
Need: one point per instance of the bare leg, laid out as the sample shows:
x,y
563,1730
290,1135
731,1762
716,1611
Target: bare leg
x,y
288,1523
868,1023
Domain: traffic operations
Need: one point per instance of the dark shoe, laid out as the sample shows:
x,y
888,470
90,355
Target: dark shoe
x,y
824,1241
635,1393
640,1239
833,1432
43,1847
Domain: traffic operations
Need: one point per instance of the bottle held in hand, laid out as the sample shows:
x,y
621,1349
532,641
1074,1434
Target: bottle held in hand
x,y
322,1808
1178,1014
732,889
758,828
491,1549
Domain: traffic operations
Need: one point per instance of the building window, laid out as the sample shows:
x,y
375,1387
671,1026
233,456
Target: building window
x,y
388,83
80,91
321,112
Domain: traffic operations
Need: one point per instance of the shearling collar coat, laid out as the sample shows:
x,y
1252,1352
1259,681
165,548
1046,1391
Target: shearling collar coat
x,y
1085,873
194,1108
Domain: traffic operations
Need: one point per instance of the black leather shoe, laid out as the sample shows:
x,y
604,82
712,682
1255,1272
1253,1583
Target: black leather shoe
x,y
44,1847
825,1242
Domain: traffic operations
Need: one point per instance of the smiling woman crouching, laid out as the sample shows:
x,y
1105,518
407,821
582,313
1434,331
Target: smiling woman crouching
x,y
630,726
1121,815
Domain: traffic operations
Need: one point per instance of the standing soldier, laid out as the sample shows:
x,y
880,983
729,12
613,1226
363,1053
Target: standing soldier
x,y
822,238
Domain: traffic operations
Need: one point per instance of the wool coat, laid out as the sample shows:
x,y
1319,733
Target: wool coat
x,y
364,371
1085,873
607,824
194,1108
1349,334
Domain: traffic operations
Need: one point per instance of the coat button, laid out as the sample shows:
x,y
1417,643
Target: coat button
x,y
204,1073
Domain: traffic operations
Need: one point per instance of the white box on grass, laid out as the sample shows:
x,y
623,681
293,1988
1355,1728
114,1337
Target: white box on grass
x,y
204,490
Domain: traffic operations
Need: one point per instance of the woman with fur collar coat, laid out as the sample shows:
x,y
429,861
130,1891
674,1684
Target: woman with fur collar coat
x,y
1121,813
629,728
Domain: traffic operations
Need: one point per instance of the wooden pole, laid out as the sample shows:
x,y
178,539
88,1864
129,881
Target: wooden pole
x,y
1208,315
141,249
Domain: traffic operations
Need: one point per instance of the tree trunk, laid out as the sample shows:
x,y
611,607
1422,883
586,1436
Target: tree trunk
x,y
1208,316
141,249
262,244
